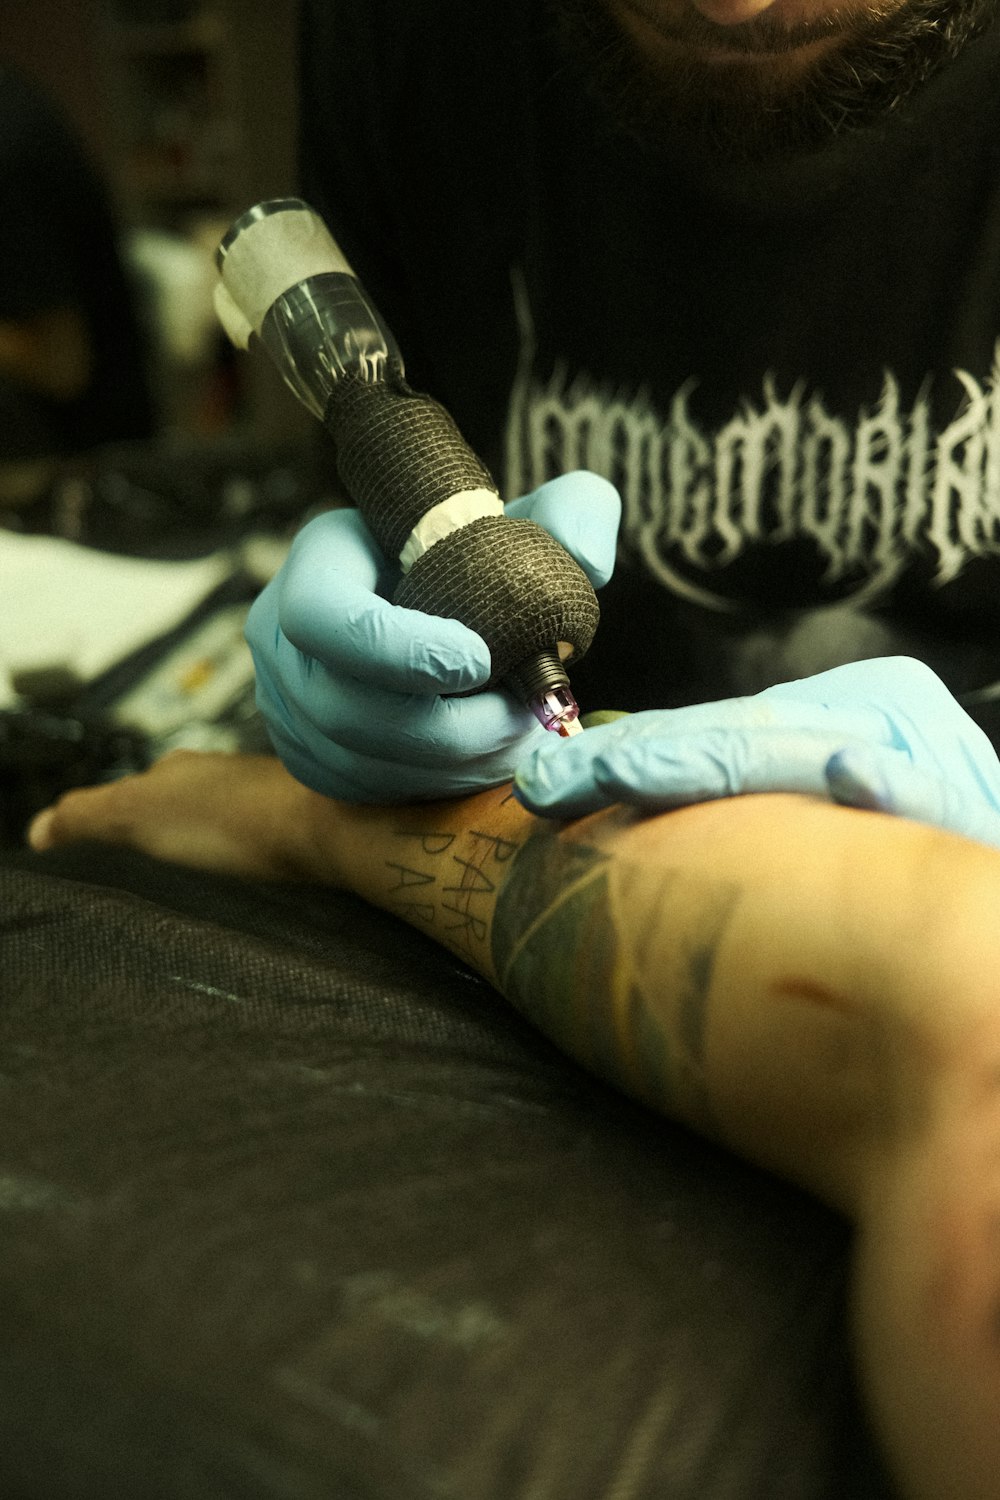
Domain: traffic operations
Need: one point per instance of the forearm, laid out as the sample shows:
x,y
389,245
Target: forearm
x,y
784,975
790,977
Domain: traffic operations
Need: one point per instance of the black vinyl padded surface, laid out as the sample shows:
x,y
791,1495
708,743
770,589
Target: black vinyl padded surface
x,y
294,1207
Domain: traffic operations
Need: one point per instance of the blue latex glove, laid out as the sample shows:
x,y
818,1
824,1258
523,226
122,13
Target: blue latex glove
x,y
350,685
884,734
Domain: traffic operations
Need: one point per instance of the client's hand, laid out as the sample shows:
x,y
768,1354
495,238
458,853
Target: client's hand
x,y
885,735
241,814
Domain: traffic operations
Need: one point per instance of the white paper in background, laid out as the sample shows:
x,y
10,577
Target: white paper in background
x,y
65,605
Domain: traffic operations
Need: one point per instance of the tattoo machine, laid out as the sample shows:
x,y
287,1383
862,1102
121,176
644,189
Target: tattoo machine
x,y
426,497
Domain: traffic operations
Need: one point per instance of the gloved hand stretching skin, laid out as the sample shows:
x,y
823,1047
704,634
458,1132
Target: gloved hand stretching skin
x,y
354,689
884,734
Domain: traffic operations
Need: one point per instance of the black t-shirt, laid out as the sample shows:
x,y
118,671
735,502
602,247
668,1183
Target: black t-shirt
x,y
58,248
792,372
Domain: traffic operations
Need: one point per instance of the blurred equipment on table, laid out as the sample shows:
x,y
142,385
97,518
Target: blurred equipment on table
x,y
126,589
73,361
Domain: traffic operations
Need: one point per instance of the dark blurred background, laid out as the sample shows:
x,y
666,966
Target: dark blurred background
x,y
186,112
132,134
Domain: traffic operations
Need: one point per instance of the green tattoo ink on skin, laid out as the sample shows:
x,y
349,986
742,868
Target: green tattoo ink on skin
x,y
614,960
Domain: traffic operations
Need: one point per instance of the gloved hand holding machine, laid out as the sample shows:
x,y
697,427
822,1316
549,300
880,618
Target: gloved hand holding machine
x,y
338,667
425,496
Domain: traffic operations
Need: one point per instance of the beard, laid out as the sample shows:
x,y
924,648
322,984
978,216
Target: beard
x,y
753,107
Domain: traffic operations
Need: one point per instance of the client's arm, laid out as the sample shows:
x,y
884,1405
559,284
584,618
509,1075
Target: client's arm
x,y
815,987
774,971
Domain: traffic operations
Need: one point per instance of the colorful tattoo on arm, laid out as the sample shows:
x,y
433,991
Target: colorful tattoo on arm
x,y
614,962
612,959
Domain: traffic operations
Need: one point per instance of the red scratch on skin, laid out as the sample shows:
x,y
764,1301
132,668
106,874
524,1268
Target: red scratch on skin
x,y
791,987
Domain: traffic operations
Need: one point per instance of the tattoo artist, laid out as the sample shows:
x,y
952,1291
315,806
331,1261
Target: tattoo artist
x,y
726,272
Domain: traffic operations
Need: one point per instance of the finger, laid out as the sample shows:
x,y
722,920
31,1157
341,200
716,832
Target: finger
x,y
334,771
413,728
582,511
885,780
902,681
214,811
398,650
324,602
718,763
751,715
92,813
555,777
664,757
